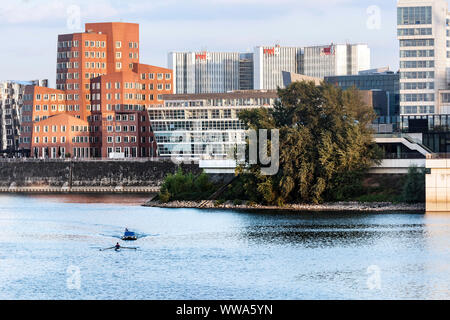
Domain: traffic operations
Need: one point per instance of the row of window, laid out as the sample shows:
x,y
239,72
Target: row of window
x,y
417,43
416,53
417,109
415,32
45,97
413,97
416,85
120,139
68,44
123,117
417,75
68,54
159,76
417,64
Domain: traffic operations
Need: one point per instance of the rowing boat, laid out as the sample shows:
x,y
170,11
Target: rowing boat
x,y
129,235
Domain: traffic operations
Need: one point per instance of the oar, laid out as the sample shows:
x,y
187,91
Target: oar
x,y
107,249
128,248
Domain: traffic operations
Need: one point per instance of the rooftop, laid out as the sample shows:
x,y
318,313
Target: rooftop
x,y
244,94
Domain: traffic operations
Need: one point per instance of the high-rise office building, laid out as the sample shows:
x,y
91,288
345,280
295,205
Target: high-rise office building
x,y
207,72
270,62
335,60
246,71
317,62
423,33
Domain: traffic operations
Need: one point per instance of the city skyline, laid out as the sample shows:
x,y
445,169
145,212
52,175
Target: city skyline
x,y
181,27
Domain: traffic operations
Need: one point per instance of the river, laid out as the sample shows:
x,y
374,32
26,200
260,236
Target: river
x,y
49,249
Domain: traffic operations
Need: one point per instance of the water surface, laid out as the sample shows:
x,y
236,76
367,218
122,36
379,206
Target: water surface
x,y
212,254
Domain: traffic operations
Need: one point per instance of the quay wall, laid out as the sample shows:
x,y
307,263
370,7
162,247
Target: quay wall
x,y
88,174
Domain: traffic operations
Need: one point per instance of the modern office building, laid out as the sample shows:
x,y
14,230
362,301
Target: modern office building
x,y
382,81
11,107
204,126
209,72
335,60
423,33
246,71
99,108
316,61
270,62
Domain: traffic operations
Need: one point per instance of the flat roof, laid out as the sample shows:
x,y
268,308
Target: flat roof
x,y
245,94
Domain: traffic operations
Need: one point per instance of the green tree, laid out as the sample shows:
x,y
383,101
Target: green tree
x,y
186,186
414,187
326,145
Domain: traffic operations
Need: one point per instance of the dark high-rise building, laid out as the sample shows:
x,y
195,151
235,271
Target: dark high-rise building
x,y
246,71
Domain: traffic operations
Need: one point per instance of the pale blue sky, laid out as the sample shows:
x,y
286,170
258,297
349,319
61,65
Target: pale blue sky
x,y
29,28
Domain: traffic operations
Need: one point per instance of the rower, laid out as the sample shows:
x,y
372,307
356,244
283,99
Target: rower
x,y
117,246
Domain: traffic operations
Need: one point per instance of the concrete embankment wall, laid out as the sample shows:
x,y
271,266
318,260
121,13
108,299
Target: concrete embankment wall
x,y
86,175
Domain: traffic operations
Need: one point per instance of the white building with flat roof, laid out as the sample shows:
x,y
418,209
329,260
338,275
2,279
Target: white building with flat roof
x,y
335,60
270,62
208,72
315,61
204,126
424,35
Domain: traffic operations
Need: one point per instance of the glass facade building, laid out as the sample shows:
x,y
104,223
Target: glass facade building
x,y
387,82
204,126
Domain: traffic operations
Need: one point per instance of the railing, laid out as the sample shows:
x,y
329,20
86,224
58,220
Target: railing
x,y
438,156
403,156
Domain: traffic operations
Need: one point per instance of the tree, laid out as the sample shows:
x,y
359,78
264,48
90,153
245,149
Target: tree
x,y
414,187
326,144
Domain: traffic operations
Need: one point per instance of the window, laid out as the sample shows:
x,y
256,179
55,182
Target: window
x,y
118,44
414,15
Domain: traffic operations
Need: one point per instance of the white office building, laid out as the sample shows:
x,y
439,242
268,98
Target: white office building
x,y
204,126
335,60
270,62
208,72
424,35
316,61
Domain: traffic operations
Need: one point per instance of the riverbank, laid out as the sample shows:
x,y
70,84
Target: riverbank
x,y
337,206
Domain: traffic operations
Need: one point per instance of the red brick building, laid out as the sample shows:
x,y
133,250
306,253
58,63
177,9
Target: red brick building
x,y
100,85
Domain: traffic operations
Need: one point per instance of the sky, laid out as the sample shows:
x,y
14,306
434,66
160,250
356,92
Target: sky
x,y
29,28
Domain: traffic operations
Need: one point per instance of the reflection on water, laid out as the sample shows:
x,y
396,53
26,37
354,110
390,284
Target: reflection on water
x,y
125,199
211,254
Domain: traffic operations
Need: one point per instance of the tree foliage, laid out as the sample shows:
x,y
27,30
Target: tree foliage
x,y
186,186
414,186
326,145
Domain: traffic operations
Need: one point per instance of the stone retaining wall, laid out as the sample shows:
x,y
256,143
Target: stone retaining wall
x,y
87,173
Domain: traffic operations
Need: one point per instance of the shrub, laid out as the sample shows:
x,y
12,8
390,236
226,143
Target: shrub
x,y
414,187
186,186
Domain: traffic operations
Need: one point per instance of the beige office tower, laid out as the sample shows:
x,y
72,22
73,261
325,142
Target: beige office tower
x,y
423,32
